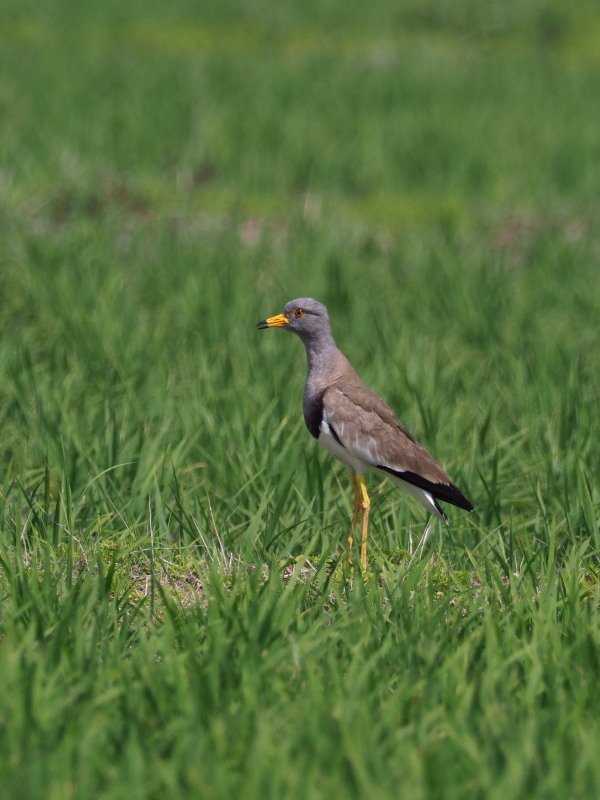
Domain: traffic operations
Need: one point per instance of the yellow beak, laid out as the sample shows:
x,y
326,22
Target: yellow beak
x,y
273,322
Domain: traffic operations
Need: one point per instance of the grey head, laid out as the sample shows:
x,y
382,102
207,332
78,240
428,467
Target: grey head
x,y
305,317
309,320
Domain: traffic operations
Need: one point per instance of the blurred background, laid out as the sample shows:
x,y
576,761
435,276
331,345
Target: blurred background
x,y
176,616
172,173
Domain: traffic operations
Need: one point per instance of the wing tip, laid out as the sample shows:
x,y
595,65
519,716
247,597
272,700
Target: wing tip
x,y
464,503
447,492
452,494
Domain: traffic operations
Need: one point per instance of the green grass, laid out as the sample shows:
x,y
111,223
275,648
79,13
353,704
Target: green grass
x,y
176,617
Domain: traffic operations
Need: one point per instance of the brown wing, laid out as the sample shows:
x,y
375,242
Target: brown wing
x,y
370,430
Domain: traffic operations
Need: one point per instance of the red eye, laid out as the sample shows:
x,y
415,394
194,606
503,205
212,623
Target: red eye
x,y
298,313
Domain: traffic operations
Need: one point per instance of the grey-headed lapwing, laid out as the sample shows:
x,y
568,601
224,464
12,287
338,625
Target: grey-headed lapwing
x,y
356,426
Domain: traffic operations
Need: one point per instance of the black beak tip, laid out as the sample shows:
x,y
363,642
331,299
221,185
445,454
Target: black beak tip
x,y
262,325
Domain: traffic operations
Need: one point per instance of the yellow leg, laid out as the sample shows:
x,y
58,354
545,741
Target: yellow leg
x,y
361,503
357,509
366,506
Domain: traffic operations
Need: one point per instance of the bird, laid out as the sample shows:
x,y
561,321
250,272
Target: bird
x,y
356,426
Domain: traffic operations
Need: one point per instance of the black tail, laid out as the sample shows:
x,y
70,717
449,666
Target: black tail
x,y
447,492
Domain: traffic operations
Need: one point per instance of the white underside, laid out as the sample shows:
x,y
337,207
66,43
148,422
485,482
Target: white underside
x,y
425,498
358,462
350,461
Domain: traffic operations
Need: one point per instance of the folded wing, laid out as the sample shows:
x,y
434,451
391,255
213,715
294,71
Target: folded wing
x,y
366,427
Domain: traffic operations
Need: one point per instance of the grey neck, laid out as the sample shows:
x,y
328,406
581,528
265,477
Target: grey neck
x,y
325,364
319,349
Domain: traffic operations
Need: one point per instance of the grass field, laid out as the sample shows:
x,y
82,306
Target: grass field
x,y
177,618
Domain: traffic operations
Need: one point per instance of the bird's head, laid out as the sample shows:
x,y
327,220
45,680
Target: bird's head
x,y
305,317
